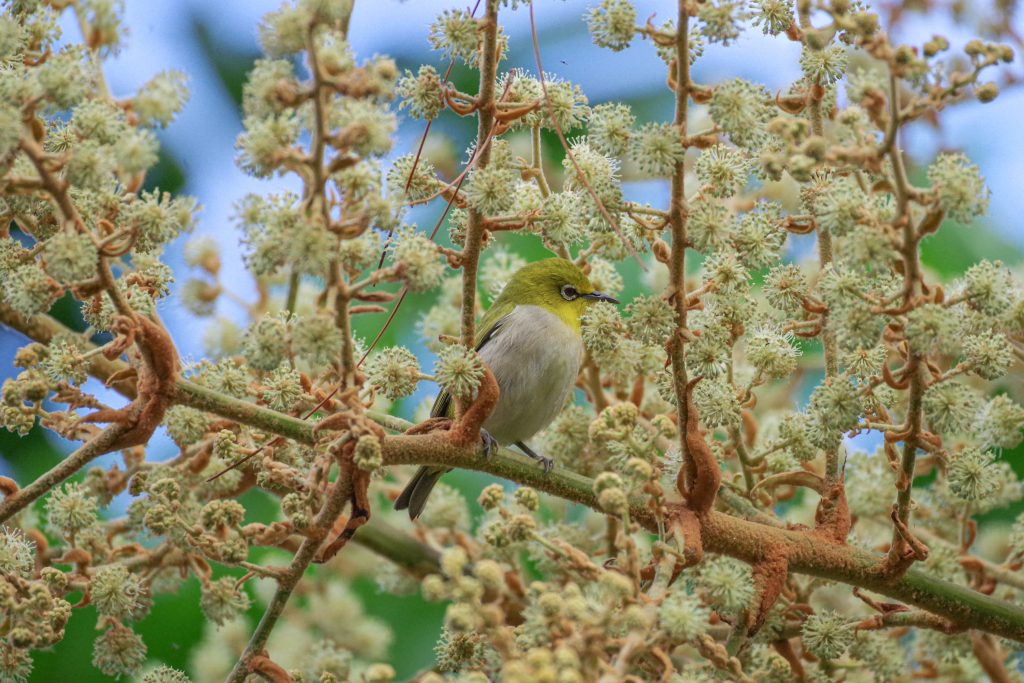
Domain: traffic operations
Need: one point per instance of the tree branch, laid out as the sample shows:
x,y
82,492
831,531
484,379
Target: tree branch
x,y
337,498
93,448
722,533
485,123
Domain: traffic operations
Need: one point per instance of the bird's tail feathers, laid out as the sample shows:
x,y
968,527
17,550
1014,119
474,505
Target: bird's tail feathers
x,y
414,495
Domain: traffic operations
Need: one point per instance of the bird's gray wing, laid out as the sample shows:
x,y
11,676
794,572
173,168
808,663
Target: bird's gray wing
x,y
443,403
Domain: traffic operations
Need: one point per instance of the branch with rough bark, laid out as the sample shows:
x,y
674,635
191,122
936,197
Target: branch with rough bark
x,y
750,541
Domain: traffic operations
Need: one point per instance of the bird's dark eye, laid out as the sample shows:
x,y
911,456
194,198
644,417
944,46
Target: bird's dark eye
x,y
569,292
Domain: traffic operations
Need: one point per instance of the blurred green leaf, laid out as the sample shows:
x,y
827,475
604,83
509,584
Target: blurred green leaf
x,y
955,248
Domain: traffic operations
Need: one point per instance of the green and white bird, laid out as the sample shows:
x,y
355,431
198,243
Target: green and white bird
x,y
530,339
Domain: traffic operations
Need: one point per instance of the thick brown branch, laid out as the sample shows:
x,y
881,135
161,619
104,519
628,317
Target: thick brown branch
x,y
750,541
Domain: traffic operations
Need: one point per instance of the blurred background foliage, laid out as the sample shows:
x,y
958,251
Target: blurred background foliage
x,y
217,63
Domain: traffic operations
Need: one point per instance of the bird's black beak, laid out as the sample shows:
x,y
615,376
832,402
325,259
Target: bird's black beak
x,y
600,296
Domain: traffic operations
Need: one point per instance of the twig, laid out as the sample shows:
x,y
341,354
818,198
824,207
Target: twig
x,y
93,448
568,152
485,125
287,583
745,540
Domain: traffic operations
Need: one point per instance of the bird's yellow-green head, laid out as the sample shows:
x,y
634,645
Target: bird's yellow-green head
x,y
554,284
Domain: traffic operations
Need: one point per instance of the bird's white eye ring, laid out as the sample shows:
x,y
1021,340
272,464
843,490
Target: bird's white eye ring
x,y
569,292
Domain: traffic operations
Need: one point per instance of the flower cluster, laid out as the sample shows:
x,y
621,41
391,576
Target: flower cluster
x,y
791,304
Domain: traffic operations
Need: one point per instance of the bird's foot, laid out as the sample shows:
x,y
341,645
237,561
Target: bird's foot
x,y
488,444
546,463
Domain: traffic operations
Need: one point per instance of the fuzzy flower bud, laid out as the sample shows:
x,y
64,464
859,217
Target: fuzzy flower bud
x,y
70,256
29,290
459,370
565,101
785,287
710,225
727,583
422,93
601,327
71,509
165,674
64,363
488,188
717,403
454,561
421,267
651,319
986,92
825,66
17,553
185,425
773,16
446,509
612,24
950,407
379,673
358,254
989,287
455,34
1001,422
722,171
117,593
719,20
614,423
119,651
266,343
836,405
499,269
611,127
601,172
161,98
742,109
840,206
491,497
368,455
409,183
613,501
682,616
972,474
528,498
827,634
929,327
758,236
960,188
989,354
393,371
282,388
772,352
462,617
221,601
316,339
657,149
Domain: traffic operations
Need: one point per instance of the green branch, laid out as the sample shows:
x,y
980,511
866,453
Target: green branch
x,y
722,533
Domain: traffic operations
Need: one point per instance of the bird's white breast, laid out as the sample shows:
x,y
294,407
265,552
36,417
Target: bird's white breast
x,y
535,358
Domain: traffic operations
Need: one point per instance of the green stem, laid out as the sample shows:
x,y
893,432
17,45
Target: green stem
x,y
405,551
64,470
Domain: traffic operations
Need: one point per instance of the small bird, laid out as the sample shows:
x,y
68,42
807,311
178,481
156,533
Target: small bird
x,y
530,339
